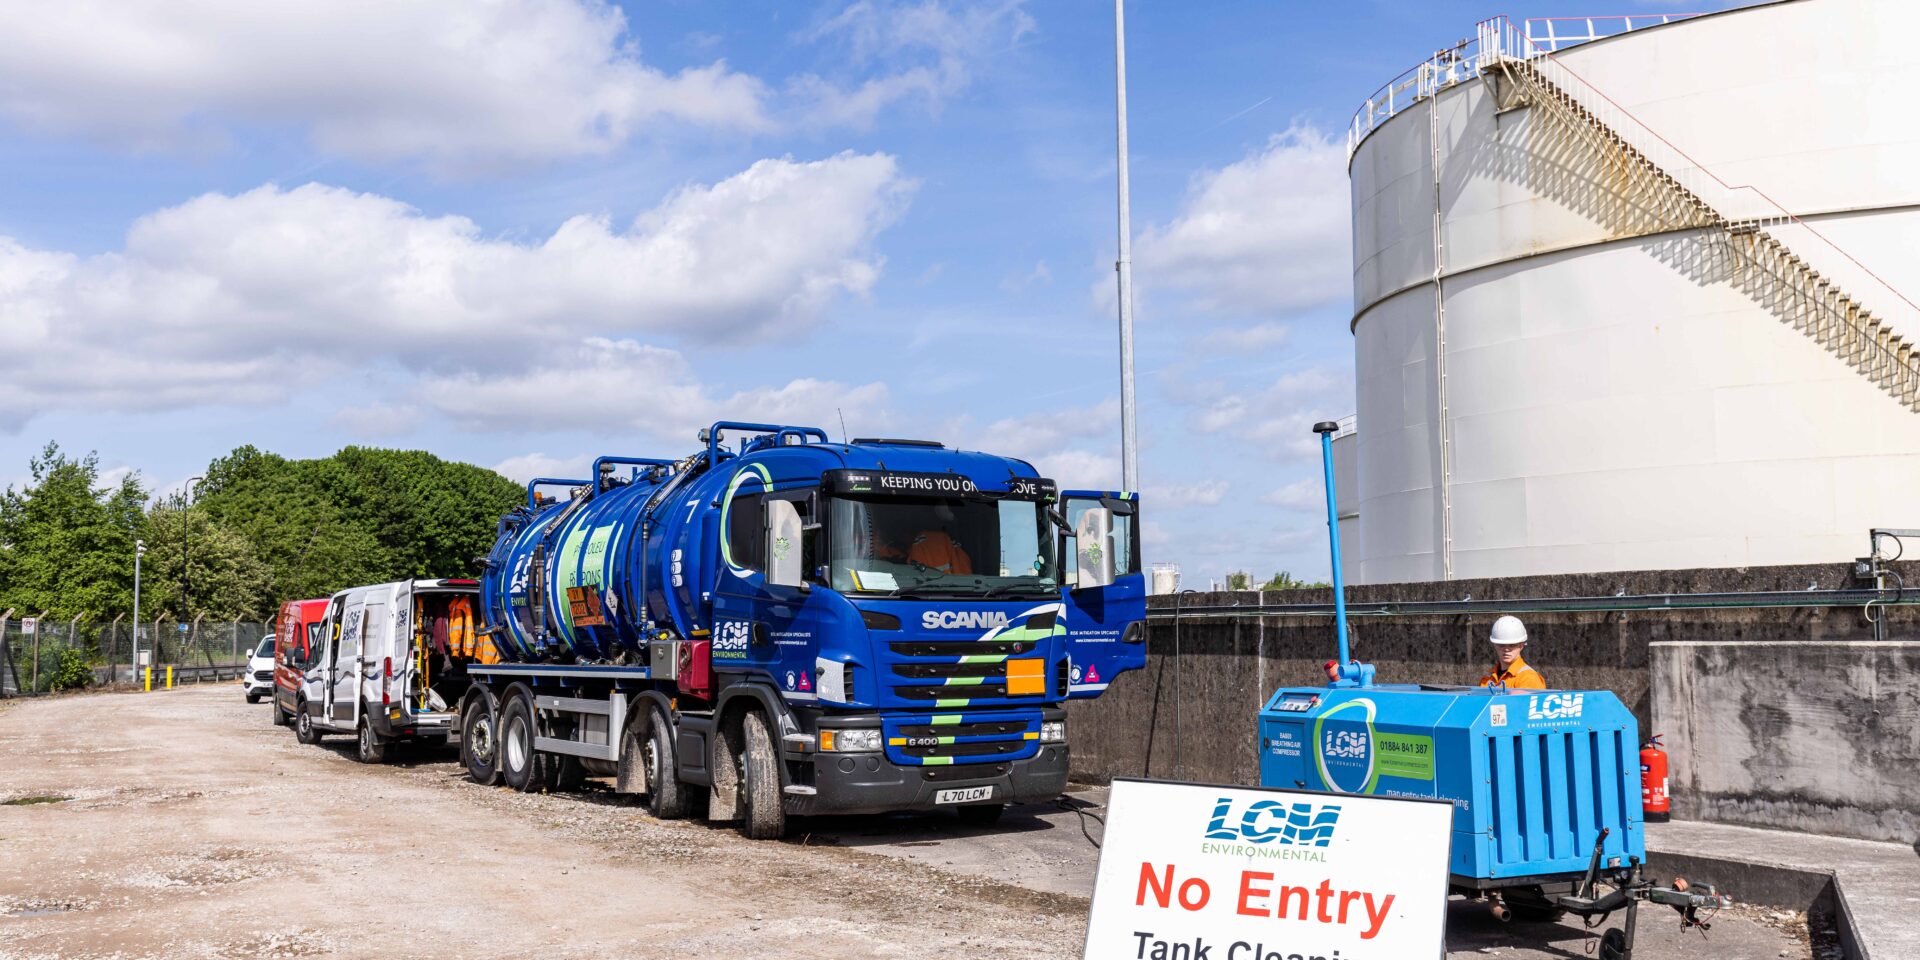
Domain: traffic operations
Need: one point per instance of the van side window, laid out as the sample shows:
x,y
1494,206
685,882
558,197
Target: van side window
x,y
746,540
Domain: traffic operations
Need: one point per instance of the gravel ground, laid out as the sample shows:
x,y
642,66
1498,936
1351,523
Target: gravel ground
x,y
184,824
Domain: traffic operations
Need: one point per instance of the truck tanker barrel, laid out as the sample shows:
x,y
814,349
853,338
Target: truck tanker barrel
x,y
904,619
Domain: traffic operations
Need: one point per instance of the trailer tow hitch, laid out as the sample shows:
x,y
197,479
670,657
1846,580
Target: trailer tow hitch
x,y
1630,887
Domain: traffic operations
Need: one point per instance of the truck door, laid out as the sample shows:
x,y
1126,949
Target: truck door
x,y
762,620
1105,592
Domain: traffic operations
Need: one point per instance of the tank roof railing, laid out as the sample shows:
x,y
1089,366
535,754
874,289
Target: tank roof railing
x,y
1553,34
1463,61
533,499
712,435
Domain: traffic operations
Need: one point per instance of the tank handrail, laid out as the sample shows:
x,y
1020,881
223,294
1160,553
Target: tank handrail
x,y
537,482
713,433
626,461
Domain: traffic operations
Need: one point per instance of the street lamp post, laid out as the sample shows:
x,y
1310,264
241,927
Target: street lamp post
x,y
1129,452
139,547
186,500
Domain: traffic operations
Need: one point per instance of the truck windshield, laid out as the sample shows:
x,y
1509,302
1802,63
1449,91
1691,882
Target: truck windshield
x,y
915,545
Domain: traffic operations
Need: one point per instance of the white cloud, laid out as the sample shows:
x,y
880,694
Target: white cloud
x,y
1206,493
1260,336
1279,417
1270,232
622,385
272,289
376,420
454,83
1307,495
1070,446
923,50
526,467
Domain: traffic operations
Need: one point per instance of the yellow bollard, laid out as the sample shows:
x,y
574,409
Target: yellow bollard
x,y
149,683
169,676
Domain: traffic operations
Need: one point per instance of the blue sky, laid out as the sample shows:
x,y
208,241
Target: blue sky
x,y
522,234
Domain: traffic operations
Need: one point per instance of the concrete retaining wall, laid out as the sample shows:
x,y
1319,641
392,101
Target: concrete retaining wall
x,y
1816,737
1192,716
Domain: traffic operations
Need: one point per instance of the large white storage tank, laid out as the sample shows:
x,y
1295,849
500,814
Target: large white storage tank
x,y
1550,380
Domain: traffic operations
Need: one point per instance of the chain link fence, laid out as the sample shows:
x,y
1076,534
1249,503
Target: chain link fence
x,y
38,655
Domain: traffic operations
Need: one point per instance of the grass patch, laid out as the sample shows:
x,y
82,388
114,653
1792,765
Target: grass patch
x,y
30,801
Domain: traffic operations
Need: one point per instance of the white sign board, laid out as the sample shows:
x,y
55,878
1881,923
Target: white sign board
x,y
28,624
1195,872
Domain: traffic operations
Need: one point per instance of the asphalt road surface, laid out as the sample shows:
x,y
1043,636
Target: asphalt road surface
x,y
184,824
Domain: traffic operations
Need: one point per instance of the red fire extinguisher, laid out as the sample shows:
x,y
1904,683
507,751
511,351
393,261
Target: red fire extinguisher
x,y
1653,782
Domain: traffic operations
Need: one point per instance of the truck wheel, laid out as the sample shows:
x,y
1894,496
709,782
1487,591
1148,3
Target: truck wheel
x,y
280,717
519,765
303,728
479,741
981,814
371,748
763,817
647,765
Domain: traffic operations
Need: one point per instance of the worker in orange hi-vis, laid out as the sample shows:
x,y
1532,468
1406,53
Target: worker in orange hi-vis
x,y
1509,638
935,550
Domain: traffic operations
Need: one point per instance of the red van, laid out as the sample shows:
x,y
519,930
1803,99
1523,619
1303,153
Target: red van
x,y
296,648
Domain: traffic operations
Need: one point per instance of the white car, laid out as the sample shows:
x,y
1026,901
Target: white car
x,y
258,680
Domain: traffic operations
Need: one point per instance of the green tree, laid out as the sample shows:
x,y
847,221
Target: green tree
x,y
66,545
1285,581
1239,580
360,516
223,577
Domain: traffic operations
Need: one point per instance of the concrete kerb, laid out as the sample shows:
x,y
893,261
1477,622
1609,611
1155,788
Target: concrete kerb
x,y
1870,891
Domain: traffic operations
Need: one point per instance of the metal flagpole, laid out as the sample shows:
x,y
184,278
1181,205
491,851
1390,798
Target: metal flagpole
x,y
1129,465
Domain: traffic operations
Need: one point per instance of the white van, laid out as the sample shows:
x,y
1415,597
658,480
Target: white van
x,y
387,670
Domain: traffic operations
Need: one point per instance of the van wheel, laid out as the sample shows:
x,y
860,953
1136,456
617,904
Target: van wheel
x,y
252,697
981,814
519,765
480,742
303,728
280,717
371,748
763,817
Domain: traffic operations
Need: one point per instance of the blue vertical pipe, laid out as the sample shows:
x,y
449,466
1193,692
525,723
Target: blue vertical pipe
x,y
1325,429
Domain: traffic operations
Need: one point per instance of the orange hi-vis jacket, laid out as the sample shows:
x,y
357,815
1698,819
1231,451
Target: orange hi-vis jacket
x,y
1517,677
461,637
933,548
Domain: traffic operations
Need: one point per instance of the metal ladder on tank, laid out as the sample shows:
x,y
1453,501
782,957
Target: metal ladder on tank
x,y
1666,190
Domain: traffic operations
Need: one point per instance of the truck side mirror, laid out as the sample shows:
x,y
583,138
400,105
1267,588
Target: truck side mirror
x,y
1093,548
783,544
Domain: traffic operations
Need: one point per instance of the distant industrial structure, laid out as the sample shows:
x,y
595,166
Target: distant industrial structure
x,y
1634,293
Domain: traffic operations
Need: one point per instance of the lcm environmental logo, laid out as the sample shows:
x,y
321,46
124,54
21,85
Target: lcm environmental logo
x,y
1270,821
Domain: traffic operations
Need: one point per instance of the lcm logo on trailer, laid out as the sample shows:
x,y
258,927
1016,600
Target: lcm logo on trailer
x,y
1555,706
1268,821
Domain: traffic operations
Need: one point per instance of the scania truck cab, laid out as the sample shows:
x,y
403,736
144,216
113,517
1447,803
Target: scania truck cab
x,y
799,626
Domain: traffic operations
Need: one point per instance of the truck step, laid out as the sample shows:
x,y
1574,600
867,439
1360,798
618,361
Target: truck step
x,y
799,790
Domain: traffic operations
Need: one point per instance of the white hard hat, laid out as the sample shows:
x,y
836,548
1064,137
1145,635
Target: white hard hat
x,y
1508,630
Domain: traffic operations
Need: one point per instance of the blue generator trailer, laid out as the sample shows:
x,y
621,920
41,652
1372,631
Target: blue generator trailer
x,y
1544,784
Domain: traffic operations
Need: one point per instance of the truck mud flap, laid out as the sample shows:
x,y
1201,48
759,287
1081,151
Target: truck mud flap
x,y
690,744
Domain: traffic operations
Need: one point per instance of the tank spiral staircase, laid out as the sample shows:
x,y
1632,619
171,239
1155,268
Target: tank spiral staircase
x,y
1673,196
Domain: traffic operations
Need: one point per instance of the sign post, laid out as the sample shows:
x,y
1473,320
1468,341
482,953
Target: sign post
x,y
1190,871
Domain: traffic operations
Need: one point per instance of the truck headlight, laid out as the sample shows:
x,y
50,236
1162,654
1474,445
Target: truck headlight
x,y
1053,731
850,740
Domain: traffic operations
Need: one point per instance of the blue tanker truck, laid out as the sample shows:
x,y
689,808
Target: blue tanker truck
x,y
794,626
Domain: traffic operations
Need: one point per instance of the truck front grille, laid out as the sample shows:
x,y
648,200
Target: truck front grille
x,y
962,738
